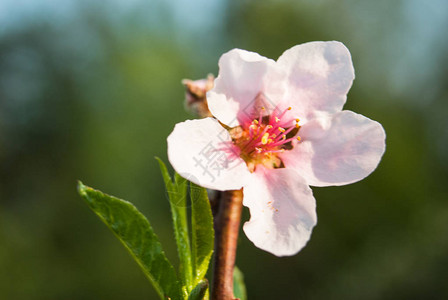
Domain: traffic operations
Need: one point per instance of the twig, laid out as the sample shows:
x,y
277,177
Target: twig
x,y
227,223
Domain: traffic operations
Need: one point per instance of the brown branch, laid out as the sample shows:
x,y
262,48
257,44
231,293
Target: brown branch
x,y
227,223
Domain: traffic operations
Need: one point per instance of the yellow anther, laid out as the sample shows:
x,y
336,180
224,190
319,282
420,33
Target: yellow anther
x,y
289,108
299,138
255,121
283,137
269,141
269,126
253,126
297,125
297,120
264,139
281,129
262,108
273,136
277,119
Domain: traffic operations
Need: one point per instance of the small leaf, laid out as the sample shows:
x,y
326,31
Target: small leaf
x,y
199,292
239,288
202,231
165,174
135,233
177,193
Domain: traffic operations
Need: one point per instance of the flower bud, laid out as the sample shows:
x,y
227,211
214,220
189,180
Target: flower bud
x,y
196,95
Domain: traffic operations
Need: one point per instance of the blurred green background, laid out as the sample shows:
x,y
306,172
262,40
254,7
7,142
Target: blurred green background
x,y
90,90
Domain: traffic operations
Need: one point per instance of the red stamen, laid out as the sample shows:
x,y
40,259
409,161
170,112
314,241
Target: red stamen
x,y
284,133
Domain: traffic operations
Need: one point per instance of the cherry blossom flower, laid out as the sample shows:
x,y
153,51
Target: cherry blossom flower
x,y
279,128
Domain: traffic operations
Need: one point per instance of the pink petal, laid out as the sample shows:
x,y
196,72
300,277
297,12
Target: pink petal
x,y
319,76
337,150
282,208
201,151
243,76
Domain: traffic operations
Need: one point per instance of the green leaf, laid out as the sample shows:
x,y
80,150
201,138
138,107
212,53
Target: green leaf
x,y
239,288
135,233
202,231
177,193
200,291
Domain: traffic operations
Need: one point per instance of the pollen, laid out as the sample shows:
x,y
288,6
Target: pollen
x,y
264,139
281,129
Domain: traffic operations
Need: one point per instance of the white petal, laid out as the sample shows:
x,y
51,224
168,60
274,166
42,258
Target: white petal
x,y
243,76
202,152
319,76
338,150
282,209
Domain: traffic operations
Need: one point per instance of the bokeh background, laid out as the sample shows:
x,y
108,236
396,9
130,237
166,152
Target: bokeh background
x,y
90,90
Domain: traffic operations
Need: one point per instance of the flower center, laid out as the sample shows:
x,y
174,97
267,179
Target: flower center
x,y
264,138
